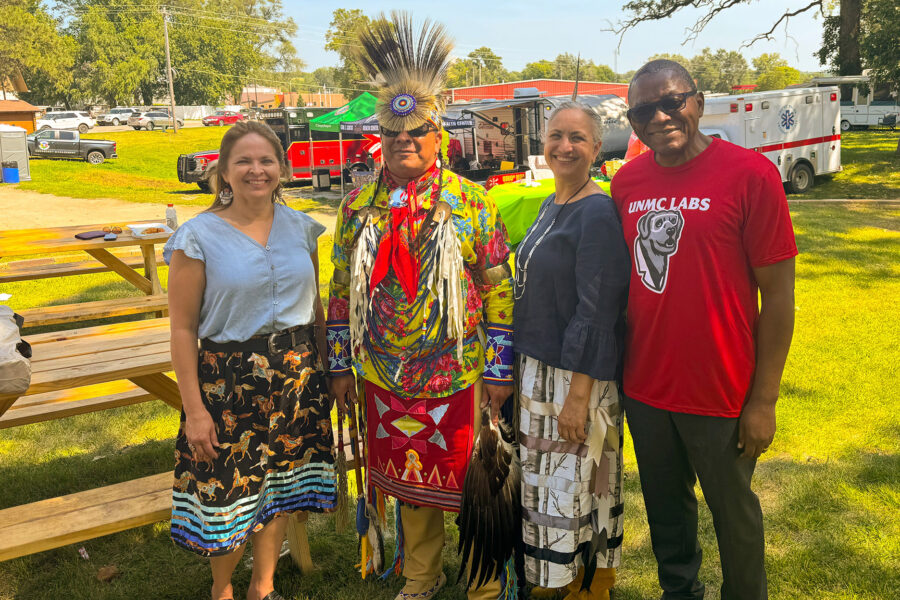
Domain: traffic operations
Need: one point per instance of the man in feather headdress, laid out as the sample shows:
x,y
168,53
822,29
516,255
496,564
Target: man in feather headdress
x,y
420,303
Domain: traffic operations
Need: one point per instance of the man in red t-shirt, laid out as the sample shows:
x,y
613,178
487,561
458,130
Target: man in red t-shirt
x,y
708,226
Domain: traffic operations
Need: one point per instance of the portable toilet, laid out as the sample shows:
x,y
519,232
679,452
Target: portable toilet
x,y
14,148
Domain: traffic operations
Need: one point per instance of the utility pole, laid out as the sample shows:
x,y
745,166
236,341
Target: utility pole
x,y
577,74
169,69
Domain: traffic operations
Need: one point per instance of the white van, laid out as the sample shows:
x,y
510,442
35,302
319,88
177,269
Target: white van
x,y
798,129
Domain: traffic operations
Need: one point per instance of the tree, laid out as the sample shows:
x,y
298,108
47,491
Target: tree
x,y
489,66
31,44
719,71
120,53
542,69
681,60
778,78
480,67
343,31
460,73
767,62
774,73
879,44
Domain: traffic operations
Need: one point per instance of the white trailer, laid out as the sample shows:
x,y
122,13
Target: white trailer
x,y
797,129
863,104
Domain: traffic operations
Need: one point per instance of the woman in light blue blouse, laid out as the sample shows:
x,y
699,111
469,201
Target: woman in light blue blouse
x,y
255,439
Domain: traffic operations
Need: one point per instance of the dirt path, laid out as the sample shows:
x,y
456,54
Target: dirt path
x,y
22,209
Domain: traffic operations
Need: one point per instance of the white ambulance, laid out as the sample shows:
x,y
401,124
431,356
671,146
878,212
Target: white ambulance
x,y
798,129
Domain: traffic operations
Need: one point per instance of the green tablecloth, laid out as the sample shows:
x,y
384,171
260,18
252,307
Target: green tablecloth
x,y
519,204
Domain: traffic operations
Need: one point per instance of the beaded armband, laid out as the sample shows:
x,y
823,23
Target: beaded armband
x,y
498,354
338,334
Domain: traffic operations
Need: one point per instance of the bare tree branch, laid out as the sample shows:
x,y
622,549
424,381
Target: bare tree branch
x,y
655,10
786,17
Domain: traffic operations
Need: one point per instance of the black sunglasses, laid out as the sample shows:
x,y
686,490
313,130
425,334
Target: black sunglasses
x,y
420,131
642,113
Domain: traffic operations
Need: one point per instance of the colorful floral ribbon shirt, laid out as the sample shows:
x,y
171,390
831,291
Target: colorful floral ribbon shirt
x,y
406,347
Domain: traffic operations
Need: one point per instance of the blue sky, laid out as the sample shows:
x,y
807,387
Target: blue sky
x,y
524,31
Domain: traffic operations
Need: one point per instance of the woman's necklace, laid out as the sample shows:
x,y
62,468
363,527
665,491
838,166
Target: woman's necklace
x,y
522,269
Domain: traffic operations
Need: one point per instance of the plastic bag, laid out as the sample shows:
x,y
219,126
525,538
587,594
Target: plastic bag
x,y
15,368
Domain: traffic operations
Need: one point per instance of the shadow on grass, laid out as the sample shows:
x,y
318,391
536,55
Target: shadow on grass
x,y
821,541
823,238
27,481
106,291
189,192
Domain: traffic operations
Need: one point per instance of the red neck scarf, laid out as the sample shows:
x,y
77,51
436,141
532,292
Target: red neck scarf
x,y
394,251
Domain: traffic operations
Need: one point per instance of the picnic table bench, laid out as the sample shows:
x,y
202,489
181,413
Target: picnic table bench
x,y
77,371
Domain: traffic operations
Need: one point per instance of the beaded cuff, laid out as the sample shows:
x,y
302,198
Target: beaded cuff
x,y
498,354
338,334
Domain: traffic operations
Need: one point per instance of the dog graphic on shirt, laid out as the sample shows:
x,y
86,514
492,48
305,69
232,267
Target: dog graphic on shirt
x,y
656,242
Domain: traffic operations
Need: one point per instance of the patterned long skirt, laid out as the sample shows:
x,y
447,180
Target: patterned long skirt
x,y
272,416
571,493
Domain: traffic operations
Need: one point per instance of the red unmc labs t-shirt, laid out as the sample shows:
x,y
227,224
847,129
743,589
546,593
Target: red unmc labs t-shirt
x,y
695,232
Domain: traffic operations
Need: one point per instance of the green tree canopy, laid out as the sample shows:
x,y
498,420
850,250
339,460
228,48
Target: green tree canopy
x,y
542,69
778,78
681,60
341,37
718,71
31,44
773,72
216,46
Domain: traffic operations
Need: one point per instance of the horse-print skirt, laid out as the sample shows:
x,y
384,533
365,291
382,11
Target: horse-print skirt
x,y
272,416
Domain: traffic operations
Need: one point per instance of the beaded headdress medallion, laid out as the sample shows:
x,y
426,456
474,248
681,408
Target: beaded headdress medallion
x,y
409,69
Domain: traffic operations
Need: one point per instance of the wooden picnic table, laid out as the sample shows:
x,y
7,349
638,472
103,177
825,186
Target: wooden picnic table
x,y
62,240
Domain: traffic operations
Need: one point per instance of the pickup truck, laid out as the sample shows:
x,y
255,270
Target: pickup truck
x,y
199,168
68,144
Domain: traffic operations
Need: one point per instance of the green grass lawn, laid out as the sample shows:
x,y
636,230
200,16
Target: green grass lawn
x,y
144,172
829,486
871,168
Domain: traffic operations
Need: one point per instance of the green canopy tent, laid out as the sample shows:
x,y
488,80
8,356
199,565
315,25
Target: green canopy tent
x,y
359,108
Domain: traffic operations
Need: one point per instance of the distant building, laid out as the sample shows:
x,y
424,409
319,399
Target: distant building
x,y
264,97
548,87
18,113
10,87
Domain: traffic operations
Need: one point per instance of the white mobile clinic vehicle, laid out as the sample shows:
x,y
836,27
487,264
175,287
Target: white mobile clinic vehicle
x,y
797,129
863,103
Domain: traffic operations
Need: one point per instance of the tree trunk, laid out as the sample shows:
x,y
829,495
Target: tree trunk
x,y
849,61
147,94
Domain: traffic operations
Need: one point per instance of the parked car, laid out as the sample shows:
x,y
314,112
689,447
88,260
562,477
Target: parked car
x,y
116,116
151,120
223,117
81,121
68,144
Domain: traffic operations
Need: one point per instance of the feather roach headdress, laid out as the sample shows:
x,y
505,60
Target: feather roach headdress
x,y
410,70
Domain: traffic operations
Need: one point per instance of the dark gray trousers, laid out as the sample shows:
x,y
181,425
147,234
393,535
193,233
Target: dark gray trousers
x,y
673,450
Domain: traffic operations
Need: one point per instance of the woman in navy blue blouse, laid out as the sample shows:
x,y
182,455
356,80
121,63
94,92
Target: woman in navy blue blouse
x,y
572,271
